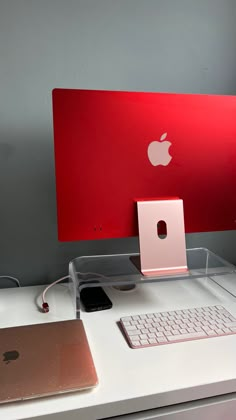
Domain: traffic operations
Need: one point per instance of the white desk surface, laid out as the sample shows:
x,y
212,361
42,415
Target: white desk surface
x,y
130,380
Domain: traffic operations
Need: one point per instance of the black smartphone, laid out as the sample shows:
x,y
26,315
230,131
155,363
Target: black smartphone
x,y
95,299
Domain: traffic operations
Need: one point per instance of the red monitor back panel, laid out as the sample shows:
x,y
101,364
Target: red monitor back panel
x,y
112,147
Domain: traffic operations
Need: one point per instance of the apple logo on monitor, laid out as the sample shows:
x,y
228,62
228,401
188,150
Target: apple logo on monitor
x,y
9,356
158,151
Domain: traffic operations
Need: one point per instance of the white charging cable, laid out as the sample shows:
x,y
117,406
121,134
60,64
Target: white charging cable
x,y
11,278
45,305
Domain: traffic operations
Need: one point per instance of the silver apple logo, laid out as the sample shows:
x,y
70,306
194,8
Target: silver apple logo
x,y
158,151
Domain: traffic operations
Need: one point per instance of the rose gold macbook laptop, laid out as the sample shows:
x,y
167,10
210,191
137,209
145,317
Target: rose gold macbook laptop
x,y
44,359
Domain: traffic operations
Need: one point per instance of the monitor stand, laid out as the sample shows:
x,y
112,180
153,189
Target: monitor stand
x,y
161,237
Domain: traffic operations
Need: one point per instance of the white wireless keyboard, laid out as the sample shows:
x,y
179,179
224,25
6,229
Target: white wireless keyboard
x,y
174,326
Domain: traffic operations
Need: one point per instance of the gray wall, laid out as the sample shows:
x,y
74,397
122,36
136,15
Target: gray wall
x,y
150,45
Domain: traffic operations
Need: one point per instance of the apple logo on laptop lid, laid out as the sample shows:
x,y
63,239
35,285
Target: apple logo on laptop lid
x,y
9,356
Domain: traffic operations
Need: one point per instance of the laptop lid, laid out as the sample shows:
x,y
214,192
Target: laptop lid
x,y
44,359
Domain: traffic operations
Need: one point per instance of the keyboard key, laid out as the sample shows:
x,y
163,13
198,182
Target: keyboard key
x,y
168,328
199,329
211,332
162,340
190,329
152,330
134,338
127,318
133,332
188,336
230,324
136,343
126,323
131,328
143,336
226,330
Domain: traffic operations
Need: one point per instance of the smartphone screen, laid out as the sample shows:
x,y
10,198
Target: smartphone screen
x,y
95,299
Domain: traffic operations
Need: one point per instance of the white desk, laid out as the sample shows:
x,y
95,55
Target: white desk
x,y
176,382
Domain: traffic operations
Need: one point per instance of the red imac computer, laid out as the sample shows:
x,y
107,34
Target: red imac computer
x,y
113,148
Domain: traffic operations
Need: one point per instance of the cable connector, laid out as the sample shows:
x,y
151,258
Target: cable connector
x,y
45,307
